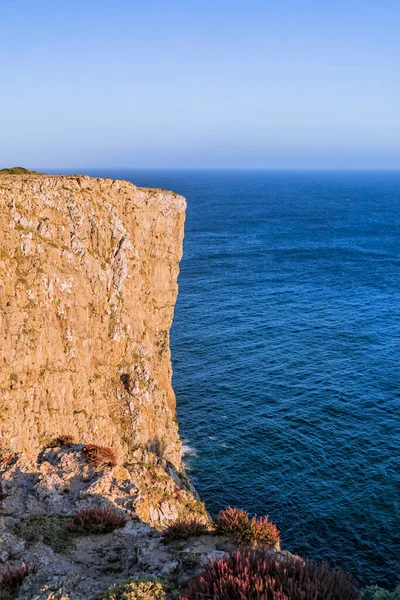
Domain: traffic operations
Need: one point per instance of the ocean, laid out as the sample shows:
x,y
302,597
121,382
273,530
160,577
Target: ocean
x,y
285,349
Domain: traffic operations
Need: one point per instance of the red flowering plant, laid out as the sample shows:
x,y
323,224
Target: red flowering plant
x,y
259,575
12,578
245,530
96,521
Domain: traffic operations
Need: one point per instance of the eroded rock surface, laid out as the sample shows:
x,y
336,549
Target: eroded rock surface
x,y
61,483
88,283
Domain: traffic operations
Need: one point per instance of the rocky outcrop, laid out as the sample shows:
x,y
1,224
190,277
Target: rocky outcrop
x,y
88,283
39,497
61,483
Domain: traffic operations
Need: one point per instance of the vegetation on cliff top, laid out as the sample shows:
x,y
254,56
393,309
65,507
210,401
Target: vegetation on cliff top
x,y
47,529
148,588
96,521
17,171
12,578
184,529
100,456
246,531
58,531
254,574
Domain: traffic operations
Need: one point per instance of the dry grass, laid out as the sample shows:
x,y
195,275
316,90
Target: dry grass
x,y
63,440
100,456
182,530
96,521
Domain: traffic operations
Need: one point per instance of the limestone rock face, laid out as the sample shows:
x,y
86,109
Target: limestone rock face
x,y
88,283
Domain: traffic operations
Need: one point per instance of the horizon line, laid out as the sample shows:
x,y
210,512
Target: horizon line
x,y
78,170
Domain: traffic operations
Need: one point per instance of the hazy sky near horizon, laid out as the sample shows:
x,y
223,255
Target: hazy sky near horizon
x,y
184,83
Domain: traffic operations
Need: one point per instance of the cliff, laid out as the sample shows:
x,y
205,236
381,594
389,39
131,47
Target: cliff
x,y
90,456
88,283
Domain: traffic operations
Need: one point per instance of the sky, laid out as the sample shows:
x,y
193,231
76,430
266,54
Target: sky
x,y
200,84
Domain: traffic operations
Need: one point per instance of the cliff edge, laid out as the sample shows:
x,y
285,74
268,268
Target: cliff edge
x,y
88,283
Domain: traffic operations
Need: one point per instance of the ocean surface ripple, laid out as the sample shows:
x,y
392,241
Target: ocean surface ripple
x,y
285,351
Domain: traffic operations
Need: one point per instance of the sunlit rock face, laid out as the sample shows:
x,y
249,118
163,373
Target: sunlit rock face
x,y
88,283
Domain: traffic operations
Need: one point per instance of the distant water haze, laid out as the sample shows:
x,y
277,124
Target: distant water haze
x,y
285,350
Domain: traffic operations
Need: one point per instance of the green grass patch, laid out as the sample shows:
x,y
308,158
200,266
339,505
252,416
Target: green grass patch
x,y
51,530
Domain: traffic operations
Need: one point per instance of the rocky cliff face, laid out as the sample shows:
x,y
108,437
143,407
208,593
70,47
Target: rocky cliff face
x,y
88,283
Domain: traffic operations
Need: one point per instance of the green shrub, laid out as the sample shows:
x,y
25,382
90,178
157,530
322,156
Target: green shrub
x,y
137,589
16,171
373,592
51,530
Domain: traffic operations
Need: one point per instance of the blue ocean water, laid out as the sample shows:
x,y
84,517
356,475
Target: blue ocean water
x,y
286,352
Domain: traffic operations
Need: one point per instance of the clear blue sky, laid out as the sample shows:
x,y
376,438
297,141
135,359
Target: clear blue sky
x,y
187,83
